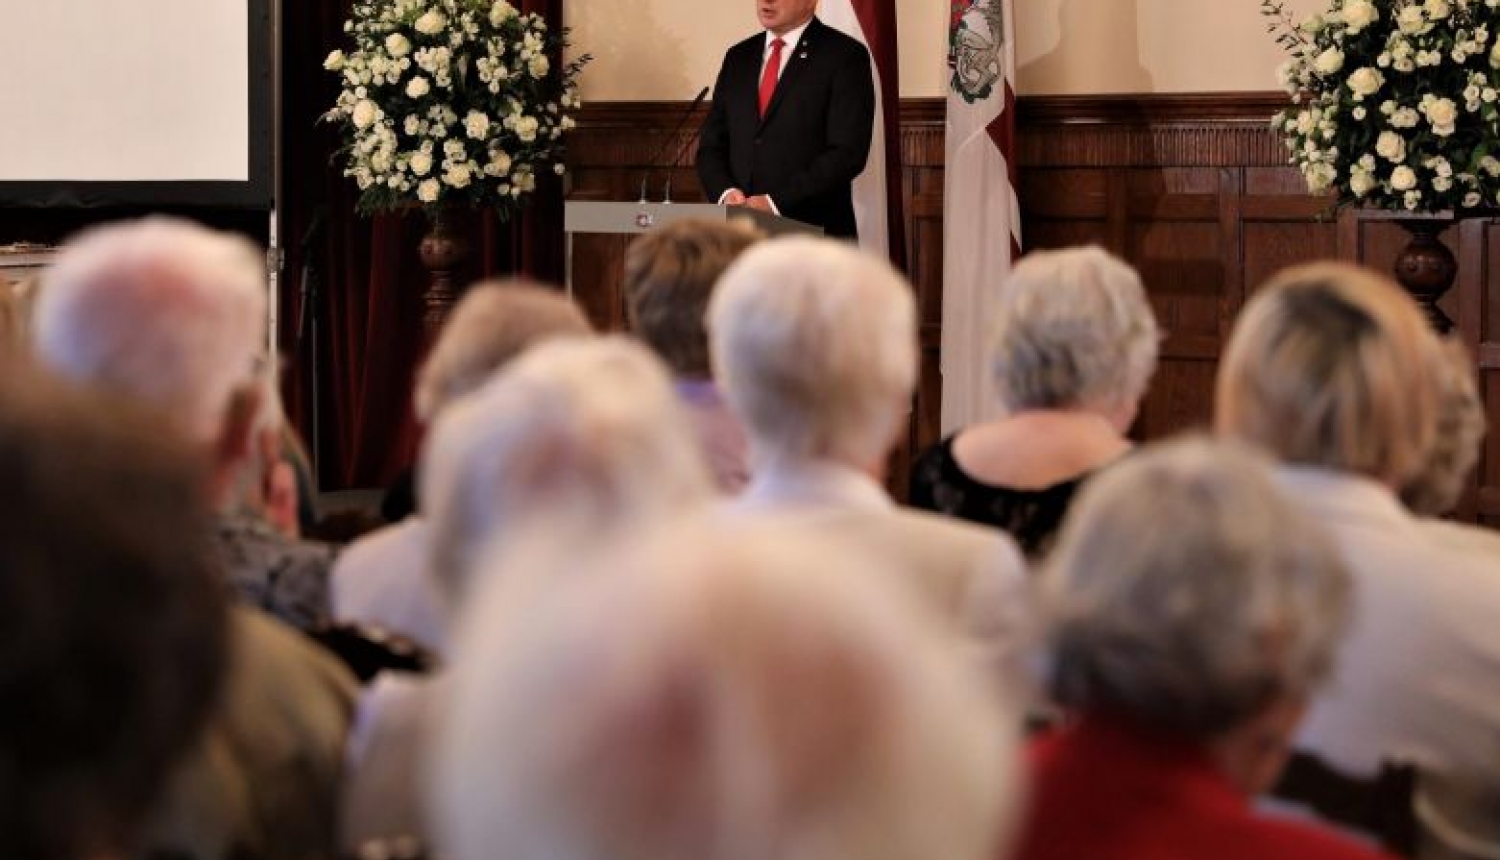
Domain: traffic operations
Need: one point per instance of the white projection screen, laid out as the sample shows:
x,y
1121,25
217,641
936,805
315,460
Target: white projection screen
x,y
106,103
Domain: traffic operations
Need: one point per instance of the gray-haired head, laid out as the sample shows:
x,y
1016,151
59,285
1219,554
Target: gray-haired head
x,y
1072,329
717,692
164,311
815,345
587,429
1187,595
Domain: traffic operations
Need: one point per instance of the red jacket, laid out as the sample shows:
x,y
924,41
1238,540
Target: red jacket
x,y
1104,792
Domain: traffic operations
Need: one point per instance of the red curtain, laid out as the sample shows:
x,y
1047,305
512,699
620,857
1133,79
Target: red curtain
x,y
351,294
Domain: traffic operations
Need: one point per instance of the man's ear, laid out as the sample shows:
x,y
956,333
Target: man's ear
x,y
232,448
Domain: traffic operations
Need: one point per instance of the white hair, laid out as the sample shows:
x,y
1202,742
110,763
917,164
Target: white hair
x,y
712,691
1186,593
161,310
1072,328
815,344
587,428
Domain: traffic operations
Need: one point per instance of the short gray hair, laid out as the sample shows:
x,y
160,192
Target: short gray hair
x,y
587,428
815,344
1186,593
1436,487
492,324
1072,328
717,691
161,310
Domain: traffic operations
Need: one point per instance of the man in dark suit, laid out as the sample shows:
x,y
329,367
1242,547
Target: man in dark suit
x,y
790,125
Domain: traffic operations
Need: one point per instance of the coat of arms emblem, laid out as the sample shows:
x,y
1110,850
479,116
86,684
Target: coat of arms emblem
x,y
976,40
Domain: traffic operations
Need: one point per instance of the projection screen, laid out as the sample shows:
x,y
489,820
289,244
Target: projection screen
x,y
108,103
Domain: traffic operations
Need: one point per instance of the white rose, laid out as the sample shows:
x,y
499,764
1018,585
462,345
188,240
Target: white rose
x,y
1359,113
1438,9
476,125
412,125
559,168
1403,178
1319,176
1441,183
1329,61
1472,199
1359,14
1314,25
428,190
431,23
457,176
538,66
418,87
420,163
1412,21
499,163
365,113
1442,114
1365,82
1491,165
335,62
526,128
1362,182
397,45
501,12
1413,199
1405,118
567,124
1391,146
1495,56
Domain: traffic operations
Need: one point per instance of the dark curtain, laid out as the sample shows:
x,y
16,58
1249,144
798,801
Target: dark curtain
x,y
351,297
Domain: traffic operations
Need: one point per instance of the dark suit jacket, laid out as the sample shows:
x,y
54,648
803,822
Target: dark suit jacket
x,y
815,137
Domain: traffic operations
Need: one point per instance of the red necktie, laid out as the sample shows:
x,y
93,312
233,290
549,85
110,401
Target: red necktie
x,y
771,75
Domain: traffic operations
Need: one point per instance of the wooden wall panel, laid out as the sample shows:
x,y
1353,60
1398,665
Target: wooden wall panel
x,y
1194,190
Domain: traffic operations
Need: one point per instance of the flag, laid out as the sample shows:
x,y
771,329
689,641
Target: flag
x,y
877,191
981,219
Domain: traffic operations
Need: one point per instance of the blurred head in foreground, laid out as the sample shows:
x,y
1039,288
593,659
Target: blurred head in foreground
x,y
586,430
111,620
1437,487
1187,597
703,694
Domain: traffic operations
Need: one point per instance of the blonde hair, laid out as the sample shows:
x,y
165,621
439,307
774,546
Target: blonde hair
x,y
669,275
1072,328
1461,425
1331,365
493,323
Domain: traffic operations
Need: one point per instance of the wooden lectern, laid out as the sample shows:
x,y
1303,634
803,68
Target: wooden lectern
x,y
598,231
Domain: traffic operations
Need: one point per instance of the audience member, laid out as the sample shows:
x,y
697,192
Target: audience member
x,y
1072,347
585,432
716,693
670,273
111,620
172,316
1192,612
382,580
816,347
1331,369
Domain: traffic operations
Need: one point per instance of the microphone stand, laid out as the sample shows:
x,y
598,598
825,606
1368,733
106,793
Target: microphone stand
x,y
662,150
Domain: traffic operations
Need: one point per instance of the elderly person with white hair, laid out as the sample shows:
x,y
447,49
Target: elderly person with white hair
x,y
171,315
382,579
1072,346
1333,370
584,434
1192,615
718,692
815,345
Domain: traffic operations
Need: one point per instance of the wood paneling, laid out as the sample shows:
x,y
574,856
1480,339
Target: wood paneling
x,y
1194,190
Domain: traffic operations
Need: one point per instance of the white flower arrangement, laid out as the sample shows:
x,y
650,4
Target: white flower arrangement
x,y
1394,102
451,101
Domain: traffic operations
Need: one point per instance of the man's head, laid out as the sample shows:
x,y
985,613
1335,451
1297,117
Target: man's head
x,y
169,314
783,16
669,275
815,345
111,621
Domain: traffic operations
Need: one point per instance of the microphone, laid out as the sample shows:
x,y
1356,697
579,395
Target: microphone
x,y
666,194
662,151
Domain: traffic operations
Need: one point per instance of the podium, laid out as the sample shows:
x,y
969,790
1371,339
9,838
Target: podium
x,y
597,232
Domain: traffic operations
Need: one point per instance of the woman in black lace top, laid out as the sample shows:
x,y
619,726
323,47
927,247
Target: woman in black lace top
x,y
1073,346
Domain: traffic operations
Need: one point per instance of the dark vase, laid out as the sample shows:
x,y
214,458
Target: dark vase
x,y
445,251
1426,268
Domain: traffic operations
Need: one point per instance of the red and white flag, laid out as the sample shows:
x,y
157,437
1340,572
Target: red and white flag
x,y
877,191
981,219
